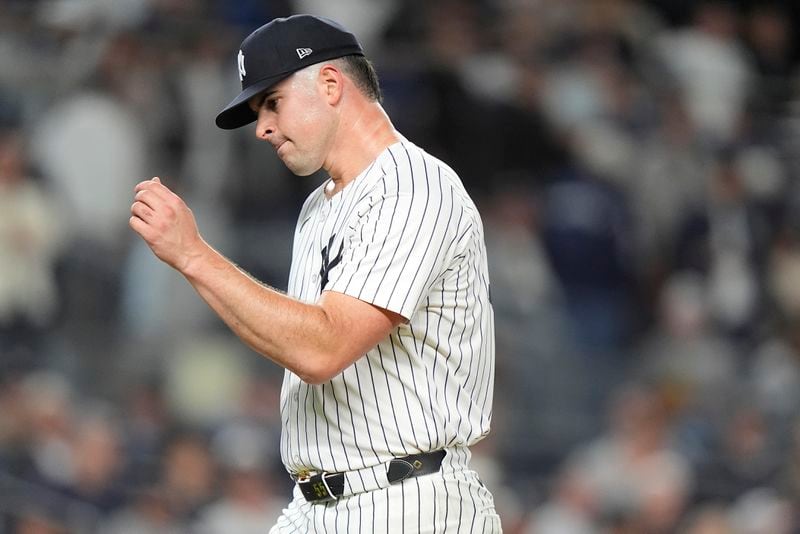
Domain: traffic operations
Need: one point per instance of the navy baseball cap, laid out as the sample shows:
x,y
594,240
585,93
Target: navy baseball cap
x,y
276,50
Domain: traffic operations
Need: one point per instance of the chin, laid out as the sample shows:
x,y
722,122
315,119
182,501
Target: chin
x,y
301,169
305,172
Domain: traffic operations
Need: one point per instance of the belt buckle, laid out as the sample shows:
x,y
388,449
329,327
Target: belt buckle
x,y
315,488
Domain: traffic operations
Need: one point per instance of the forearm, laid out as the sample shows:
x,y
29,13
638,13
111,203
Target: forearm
x,y
315,341
298,336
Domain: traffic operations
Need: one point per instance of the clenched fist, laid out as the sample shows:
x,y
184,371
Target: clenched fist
x,y
166,224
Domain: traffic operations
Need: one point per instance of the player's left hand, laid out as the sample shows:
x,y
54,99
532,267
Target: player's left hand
x,y
165,223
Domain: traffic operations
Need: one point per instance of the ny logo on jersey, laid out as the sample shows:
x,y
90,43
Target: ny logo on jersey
x,y
327,263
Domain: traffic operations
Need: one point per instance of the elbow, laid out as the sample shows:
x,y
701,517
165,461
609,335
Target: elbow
x,y
315,377
319,369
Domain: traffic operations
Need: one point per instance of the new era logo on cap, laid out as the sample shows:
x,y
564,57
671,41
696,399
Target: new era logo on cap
x,y
276,50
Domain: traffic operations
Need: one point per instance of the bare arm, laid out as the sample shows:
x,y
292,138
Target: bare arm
x,y
315,341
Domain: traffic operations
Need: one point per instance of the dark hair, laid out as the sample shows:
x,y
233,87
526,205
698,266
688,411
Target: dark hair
x,y
359,69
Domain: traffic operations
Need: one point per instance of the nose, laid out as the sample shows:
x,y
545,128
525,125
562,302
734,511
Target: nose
x,y
265,128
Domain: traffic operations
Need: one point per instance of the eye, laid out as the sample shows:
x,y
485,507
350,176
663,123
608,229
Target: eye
x,y
271,103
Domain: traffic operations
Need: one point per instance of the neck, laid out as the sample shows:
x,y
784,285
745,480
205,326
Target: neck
x,y
363,133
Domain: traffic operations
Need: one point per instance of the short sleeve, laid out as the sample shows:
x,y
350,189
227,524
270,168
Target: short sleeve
x,y
399,242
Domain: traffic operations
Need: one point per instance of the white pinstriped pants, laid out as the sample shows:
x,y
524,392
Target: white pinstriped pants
x,y
449,502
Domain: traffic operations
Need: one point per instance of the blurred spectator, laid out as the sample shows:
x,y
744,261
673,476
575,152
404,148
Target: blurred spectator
x,y
726,241
521,275
31,233
429,98
586,229
249,500
512,503
711,69
670,184
748,458
147,512
632,473
203,83
685,356
532,354
98,462
83,14
204,378
147,423
774,375
188,475
762,510
93,147
769,35
50,403
432,93
94,142
365,18
570,509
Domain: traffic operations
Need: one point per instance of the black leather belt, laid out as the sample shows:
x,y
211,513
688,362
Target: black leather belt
x,y
322,487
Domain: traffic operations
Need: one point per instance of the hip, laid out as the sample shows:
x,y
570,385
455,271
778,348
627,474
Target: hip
x,y
449,501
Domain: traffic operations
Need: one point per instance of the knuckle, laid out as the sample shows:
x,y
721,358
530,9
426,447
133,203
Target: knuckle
x,y
140,209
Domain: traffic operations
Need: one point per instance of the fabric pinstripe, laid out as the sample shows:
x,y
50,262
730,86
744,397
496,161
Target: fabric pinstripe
x,y
404,236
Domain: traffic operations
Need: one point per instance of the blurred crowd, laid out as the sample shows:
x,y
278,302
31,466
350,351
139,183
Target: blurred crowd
x,y
637,165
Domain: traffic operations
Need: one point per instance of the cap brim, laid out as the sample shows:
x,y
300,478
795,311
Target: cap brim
x,y
238,112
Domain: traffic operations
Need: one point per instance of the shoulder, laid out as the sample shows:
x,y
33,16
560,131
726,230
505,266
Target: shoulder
x,y
408,168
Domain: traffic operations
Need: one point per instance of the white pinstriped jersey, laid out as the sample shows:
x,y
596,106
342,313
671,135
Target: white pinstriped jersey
x,y
404,236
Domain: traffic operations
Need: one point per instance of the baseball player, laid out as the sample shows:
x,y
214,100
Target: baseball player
x,y
386,332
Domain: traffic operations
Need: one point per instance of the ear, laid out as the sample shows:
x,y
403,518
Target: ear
x,y
331,81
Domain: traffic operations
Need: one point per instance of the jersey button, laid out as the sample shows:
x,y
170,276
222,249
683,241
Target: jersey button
x,y
314,278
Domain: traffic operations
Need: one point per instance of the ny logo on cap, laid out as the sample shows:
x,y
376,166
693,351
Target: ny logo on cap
x,y
242,72
303,52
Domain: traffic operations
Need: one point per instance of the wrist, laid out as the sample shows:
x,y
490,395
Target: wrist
x,y
193,262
